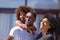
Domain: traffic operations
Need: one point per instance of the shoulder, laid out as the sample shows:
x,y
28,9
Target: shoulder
x,y
45,37
14,30
48,37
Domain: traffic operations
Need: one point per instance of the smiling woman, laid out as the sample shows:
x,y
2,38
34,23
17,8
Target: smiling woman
x,y
48,27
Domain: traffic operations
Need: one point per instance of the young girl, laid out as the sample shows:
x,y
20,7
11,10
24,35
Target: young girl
x,y
20,14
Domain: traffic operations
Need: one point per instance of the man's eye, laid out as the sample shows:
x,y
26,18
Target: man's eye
x,y
26,16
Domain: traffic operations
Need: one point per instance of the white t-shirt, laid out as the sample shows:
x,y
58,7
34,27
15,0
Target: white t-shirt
x,y
20,34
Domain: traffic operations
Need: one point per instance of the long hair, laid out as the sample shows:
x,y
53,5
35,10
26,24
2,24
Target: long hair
x,y
52,22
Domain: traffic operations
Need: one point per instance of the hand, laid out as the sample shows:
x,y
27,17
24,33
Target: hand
x,y
25,27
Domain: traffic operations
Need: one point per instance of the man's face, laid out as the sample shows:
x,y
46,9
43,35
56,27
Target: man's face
x,y
29,20
22,16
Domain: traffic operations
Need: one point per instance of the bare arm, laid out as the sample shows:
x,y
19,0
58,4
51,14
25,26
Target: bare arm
x,y
9,37
33,28
18,23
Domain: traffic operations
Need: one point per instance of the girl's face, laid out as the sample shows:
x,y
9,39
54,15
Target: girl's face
x,y
44,25
22,16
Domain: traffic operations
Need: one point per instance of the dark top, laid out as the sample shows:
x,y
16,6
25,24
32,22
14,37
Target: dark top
x,y
48,36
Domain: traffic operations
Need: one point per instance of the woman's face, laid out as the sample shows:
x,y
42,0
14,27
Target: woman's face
x,y
22,16
44,24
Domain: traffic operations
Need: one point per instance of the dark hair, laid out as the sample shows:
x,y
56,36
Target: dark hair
x,y
52,22
24,9
33,13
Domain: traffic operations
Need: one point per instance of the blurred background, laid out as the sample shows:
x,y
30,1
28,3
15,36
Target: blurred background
x,y
7,17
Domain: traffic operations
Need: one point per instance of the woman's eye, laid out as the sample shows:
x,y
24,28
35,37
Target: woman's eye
x,y
44,23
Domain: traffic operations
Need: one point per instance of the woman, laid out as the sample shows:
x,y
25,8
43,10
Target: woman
x,y
47,26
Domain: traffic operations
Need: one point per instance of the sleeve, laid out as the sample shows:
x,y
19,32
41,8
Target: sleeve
x,y
12,32
47,37
39,36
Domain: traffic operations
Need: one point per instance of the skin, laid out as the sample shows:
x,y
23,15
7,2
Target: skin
x,y
29,22
22,17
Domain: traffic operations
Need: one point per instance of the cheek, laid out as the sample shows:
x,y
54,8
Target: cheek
x,y
22,17
26,19
33,20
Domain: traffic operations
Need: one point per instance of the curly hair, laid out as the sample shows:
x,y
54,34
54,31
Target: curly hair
x,y
24,9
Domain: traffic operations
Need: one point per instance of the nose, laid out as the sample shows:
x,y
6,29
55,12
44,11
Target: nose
x,y
28,19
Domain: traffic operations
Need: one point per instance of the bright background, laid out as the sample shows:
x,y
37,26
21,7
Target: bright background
x,y
7,20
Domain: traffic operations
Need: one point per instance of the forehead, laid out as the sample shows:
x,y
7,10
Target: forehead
x,y
45,19
29,14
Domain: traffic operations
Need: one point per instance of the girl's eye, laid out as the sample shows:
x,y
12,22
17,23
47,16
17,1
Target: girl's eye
x,y
26,16
22,14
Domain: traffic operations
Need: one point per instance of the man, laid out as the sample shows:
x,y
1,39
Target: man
x,y
18,33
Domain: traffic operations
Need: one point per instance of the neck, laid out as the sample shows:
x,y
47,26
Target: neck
x,y
30,25
44,31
